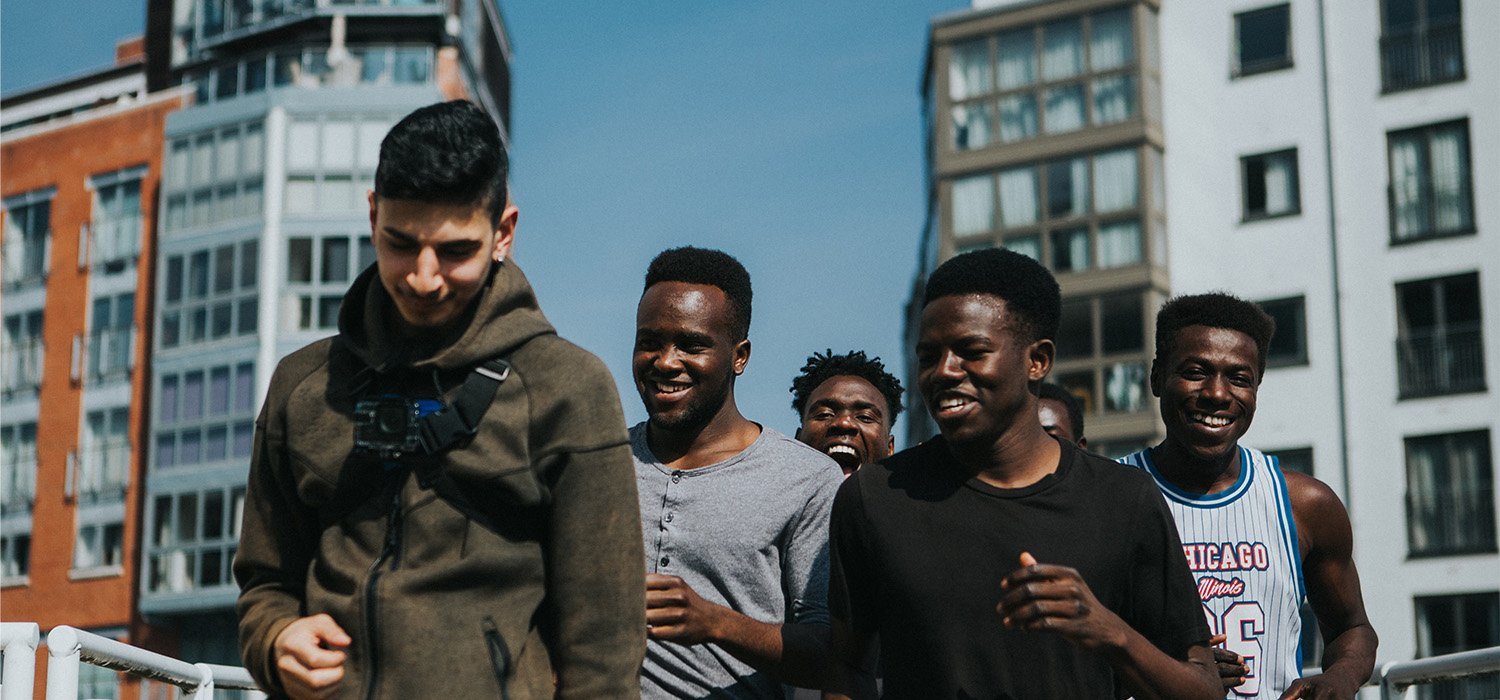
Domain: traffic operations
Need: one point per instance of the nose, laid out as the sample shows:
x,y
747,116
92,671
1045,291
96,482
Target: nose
x,y
666,361
1216,388
947,369
426,276
843,422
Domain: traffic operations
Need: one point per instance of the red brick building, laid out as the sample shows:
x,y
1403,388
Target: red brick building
x,y
81,163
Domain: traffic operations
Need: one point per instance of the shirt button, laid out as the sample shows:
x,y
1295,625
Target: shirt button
x,y
669,517
676,478
666,560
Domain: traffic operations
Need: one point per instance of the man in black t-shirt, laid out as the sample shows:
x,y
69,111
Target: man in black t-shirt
x,y
935,551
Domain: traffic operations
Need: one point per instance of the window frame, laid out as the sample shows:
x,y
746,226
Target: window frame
x,y
1450,442
1248,216
1407,335
1421,33
1431,233
1299,358
1238,69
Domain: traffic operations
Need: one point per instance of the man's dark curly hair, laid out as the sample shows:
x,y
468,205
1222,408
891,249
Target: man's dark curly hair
x,y
449,152
711,267
1030,292
824,366
1215,310
1069,401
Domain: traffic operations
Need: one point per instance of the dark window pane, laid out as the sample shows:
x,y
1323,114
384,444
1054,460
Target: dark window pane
x,y
1298,460
198,275
1400,14
1123,323
328,311
174,278
247,316
1288,344
249,263
335,260
299,260
1075,332
1255,185
255,75
1263,38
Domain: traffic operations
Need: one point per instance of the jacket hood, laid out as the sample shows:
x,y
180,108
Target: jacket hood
x,y
504,317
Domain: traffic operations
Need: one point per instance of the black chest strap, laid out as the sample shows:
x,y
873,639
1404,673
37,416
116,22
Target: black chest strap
x,y
459,421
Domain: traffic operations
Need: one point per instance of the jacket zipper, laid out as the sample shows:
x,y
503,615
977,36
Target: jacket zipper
x,y
499,655
390,551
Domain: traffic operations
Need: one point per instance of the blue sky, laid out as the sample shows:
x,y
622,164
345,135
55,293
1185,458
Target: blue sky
x,y
786,133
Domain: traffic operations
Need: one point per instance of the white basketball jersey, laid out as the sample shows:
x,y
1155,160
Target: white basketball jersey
x,y
1241,545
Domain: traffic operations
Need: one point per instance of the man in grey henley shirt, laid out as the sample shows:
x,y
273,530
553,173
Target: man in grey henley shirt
x,y
734,515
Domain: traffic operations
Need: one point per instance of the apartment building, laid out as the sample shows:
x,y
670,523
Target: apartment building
x,y
82,161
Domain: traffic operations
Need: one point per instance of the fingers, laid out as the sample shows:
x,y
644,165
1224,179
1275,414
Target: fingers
x,y
1027,560
1044,614
665,598
303,682
1216,640
1039,572
663,617
662,581
1049,589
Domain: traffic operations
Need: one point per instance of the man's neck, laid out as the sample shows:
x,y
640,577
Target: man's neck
x,y
1019,458
727,434
1194,474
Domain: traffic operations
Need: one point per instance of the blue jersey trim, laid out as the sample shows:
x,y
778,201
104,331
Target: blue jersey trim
x,y
1205,500
1288,526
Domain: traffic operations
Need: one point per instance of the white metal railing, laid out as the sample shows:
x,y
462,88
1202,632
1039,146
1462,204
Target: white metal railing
x,y
68,647
18,642
1399,679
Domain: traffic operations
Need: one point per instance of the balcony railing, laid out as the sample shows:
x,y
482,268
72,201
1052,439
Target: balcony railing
x,y
103,472
21,365
1422,56
1436,362
18,483
111,354
115,240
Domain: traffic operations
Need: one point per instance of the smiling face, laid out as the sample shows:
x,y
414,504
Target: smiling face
x,y
847,419
686,357
1207,387
974,370
434,257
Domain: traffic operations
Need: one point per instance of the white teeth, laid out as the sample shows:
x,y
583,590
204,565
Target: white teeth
x,y
946,404
1211,421
841,450
671,388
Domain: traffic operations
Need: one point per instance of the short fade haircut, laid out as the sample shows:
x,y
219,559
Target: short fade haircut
x,y
1069,402
1030,292
449,152
715,268
823,366
1215,310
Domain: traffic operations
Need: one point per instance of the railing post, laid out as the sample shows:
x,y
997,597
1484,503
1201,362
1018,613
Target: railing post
x,y
18,642
205,689
63,652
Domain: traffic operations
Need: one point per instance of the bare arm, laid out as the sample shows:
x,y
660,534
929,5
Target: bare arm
x,y
1327,544
798,654
1055,599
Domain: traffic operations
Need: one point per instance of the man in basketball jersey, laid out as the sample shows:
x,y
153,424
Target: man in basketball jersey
x,y
1258,541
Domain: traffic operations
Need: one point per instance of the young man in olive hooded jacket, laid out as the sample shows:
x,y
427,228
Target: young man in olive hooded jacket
x,y
499,561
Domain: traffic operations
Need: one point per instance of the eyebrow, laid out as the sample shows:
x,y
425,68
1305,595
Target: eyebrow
x,y
399,235
859,405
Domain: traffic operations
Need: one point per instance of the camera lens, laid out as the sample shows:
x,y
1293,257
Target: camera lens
x,y
391,419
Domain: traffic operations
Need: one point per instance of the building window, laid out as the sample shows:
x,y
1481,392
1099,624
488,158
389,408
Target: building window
x,y
100,546
1073,214
1295,459
1421,43
104,470
318,274
1102,351
112,338
214,176
17,467
193,539
1263,40
1432,191
210,295
331,162
1270,185
1043,79
1450,494
1453,623
28,238
205,416
1439,341
22,353
1289,344
15,557
116,227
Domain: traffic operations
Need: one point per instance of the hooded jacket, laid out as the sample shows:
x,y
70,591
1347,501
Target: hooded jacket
x,y
551,601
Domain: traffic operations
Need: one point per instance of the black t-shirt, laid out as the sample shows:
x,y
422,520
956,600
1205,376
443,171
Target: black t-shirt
x,y
919,550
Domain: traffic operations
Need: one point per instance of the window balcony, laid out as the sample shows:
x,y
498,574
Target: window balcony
x,y
1420,56
111,354
1451,519
21,366
18,482
103,473
115,240
1439,362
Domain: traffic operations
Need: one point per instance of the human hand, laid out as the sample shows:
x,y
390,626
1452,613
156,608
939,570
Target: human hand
x,y
1231,666
309,657
676,613
1051,598
1319,687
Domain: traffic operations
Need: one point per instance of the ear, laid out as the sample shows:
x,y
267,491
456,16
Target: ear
x,y
741,356
370,195
1156,379
505,233
1083,442
1039,357
890,444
